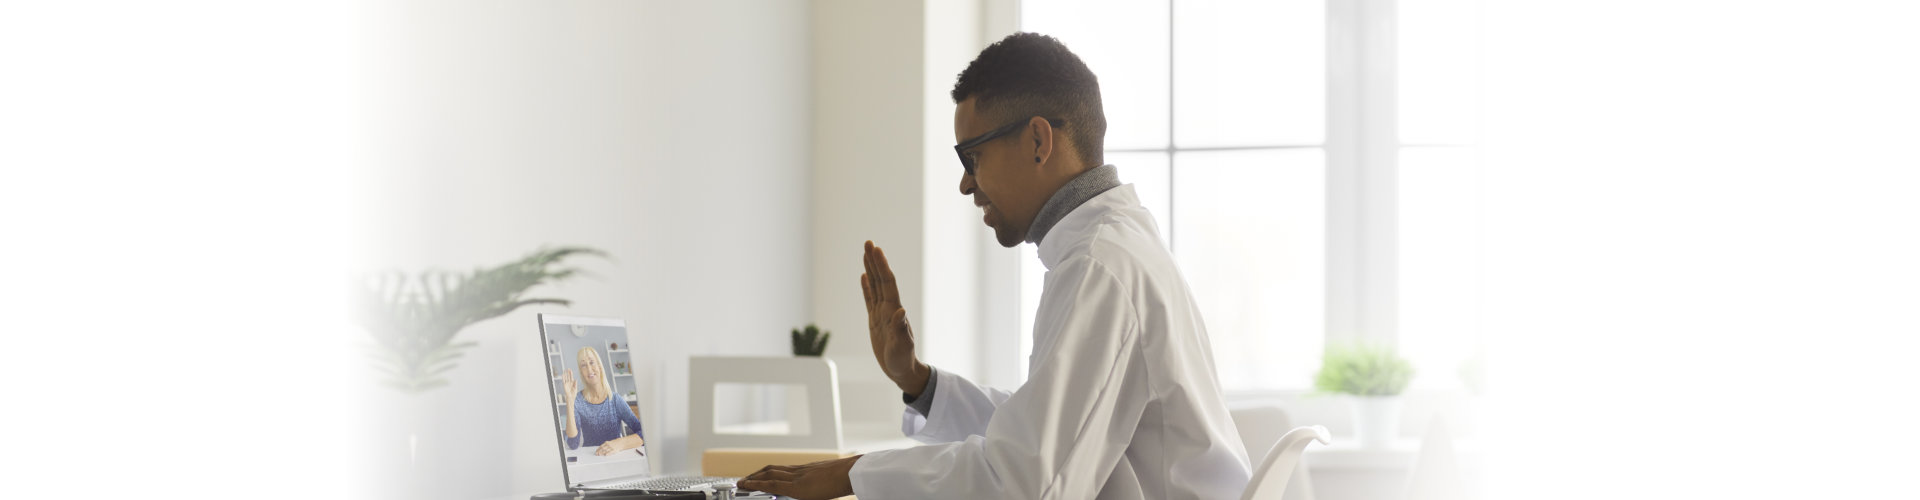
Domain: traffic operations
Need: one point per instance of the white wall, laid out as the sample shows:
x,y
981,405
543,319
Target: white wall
x,y
733,157
884,170
170,192
866,180
671,134
954,235
972,284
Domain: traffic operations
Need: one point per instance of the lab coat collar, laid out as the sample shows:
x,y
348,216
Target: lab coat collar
x,y
1078,190
1074,229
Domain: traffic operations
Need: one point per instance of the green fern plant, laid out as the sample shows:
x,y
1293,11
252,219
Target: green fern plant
x,y
813,342
414,319
1363,370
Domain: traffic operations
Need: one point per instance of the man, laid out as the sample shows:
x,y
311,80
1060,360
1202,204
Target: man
x,y
1122,401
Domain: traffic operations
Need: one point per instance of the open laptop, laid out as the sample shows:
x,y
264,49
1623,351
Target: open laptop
x,y
606,450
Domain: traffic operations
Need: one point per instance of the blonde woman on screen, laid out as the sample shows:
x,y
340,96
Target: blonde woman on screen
x,y
595,415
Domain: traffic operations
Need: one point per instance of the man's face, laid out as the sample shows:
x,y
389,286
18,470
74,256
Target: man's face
x,y
1005,180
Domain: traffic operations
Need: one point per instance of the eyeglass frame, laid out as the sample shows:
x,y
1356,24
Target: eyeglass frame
x,y
966,162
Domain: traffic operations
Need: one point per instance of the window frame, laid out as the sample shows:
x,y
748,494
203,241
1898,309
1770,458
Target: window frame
x,y
1361,147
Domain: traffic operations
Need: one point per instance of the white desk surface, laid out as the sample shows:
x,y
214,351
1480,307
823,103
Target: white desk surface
x,y
1345,453
865,437
588,465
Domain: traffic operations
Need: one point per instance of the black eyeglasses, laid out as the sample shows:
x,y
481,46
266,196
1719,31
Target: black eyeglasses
x,y
966,162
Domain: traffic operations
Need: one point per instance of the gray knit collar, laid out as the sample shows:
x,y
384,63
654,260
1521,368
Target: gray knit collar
x,y
1083,187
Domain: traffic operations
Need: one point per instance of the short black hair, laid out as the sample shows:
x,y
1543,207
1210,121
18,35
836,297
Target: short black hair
x,y
1030,74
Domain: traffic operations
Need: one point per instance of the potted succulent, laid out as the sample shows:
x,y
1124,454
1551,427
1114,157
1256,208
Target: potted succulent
x,y
811,342
1372,378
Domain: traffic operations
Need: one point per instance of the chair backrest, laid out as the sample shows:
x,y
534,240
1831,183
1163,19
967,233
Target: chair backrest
x,y
820,418
1270,478
1260,426
1436,473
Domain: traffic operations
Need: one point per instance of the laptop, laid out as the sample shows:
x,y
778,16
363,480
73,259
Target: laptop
x,y
605,448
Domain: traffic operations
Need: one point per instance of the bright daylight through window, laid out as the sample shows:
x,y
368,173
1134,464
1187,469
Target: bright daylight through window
x,y
1315,176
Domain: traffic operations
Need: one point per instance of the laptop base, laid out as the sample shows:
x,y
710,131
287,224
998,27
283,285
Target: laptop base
x,y
621,495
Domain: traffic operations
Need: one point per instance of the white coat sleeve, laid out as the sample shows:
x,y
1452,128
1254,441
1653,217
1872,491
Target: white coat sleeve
x,y
1062,433
961,408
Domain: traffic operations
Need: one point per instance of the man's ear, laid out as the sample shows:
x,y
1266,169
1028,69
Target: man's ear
x,y
1042,135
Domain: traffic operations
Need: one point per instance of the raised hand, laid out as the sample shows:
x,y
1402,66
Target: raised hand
x,y
572,389
887,327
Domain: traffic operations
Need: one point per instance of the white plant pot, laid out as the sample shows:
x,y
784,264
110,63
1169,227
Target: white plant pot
x,y
1376,420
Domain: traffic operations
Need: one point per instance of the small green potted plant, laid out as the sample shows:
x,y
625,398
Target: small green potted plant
x,y
1372,377
811,342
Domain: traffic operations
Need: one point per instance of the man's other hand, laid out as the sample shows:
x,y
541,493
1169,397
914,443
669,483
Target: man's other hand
x,y
887,327
815,481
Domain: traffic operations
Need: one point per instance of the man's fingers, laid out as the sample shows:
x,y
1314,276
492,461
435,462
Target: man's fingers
x,y
770,468
866,259
774,475
774,487
880,276
866,290
873,265
886,270
899,322
889,289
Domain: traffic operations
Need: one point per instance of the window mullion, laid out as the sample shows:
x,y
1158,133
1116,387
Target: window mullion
x,y
1362,271
1172,156
1379,172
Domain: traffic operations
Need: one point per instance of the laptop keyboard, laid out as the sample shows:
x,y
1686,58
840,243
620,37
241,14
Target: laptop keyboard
x,y
670,483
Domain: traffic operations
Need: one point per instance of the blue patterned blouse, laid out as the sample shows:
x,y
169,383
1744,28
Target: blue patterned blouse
x,y
599,423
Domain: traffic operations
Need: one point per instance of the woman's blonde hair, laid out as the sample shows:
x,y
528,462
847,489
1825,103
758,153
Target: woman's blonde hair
x,y
605,388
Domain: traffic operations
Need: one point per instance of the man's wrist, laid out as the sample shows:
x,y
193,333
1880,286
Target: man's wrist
x,y
846,471
916,379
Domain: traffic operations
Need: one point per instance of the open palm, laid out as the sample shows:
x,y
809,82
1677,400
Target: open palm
x,y
887,327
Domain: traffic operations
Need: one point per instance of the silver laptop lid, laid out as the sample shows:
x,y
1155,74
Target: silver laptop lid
x,y
606,443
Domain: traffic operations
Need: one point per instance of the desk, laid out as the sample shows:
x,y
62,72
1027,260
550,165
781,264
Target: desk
x,y
587,465
1345,471
863,437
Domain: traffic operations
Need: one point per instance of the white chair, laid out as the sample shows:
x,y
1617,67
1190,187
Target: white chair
x,y
814,418
1436,473
1260,427
1270,478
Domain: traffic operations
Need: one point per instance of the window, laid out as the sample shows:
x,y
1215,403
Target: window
x,y
1309,163
1438,173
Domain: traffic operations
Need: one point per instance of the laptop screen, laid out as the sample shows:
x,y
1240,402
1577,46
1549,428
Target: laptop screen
x,y
590,372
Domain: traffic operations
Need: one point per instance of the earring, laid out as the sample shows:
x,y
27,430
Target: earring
x,y
1036,159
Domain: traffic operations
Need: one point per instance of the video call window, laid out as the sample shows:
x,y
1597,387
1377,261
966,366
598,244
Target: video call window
x,y
595,399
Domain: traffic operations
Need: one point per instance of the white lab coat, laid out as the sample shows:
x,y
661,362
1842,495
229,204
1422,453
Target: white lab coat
x,y
1121,403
